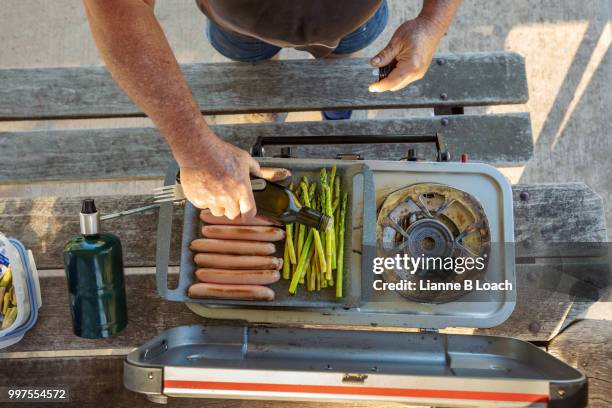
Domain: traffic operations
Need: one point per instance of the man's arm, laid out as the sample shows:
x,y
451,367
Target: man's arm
x,y
214,174
414,44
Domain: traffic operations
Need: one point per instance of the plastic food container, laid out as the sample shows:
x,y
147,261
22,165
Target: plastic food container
x,y
26,287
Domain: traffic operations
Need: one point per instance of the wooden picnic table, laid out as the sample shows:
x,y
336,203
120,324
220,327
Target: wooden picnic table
x,y
547,216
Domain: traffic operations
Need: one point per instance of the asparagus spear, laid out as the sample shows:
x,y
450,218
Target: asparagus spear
x,y
289,240
323,176
289,244
296,230
304,186
332,175
331,231
315,201
336,209
300,242
308,269
303,258
317,236
326,205
336,200
286,264
312,189
340,264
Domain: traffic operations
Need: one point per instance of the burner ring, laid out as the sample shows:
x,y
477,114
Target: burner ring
x,y
432,221
430,238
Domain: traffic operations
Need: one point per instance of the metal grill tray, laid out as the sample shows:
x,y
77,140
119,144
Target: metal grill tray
x,y
447,359
356,180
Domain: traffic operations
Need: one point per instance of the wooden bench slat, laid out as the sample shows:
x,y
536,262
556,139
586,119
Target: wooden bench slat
x,y
586,346
89,154
148,315
545,295
537,317
470,79
550,217
45,224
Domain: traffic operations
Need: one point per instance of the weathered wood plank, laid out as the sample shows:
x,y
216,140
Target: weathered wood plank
x,y
552,220
296,85
545,295
44,225
98,382
142,152
537,317
586,345
549,216
148,315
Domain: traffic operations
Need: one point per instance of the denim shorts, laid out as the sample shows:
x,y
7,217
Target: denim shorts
x,y
243,48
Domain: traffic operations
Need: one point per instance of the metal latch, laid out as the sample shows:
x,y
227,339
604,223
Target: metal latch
x,y
354,378
428,330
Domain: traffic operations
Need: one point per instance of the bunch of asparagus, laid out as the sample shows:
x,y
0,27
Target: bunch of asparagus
x,y
313,258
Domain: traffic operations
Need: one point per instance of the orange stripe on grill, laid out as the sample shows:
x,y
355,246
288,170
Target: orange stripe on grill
x,y
356,390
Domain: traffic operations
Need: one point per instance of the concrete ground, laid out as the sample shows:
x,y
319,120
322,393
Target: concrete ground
x,y
565,43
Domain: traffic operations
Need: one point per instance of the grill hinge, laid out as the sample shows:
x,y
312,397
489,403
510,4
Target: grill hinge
x,y
427,330
348,156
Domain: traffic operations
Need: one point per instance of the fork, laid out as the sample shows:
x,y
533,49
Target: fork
x,y
165,194
172,193
175,192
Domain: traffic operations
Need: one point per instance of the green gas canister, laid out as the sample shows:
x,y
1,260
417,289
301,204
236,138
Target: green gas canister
x,y
93,263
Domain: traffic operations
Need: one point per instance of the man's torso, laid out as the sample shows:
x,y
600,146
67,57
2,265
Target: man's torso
x,y
303,24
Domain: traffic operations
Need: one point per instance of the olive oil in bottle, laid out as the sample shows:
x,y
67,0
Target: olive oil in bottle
x,y
280,204
93,263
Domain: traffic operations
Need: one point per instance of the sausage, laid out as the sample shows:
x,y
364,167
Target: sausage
x,y
252,233
217,291
232,247
275,173
208,218
245,277
225,261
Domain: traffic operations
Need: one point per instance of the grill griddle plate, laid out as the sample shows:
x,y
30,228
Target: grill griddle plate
x,y
432,221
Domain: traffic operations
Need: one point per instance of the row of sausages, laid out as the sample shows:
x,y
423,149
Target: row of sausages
x,y
235,258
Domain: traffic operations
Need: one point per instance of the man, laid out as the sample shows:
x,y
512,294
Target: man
x,y
215,174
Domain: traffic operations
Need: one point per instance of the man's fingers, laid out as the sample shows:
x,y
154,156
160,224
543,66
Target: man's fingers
x,y
254,168
275,173
385,56
247,204
397,79
232,210
217,211
386,84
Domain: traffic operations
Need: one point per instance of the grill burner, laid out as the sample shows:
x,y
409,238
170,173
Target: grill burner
x,y
430,238
428,220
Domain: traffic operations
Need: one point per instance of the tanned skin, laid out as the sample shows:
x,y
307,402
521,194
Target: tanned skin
x,y
215,174
414,44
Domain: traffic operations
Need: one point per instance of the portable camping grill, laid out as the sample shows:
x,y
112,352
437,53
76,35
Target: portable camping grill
x,y
436,208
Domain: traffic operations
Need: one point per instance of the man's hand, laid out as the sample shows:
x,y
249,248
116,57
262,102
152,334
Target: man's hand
x,y
413,45
220,180
214,174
